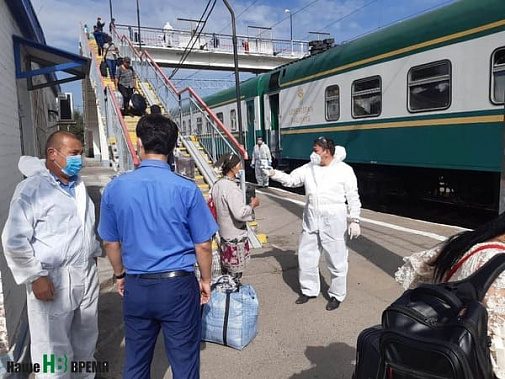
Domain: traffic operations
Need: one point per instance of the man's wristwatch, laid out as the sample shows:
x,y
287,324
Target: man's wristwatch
x,y
120,276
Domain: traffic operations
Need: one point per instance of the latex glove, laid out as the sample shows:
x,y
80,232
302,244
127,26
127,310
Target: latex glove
x,y
252,165
354,230
268,171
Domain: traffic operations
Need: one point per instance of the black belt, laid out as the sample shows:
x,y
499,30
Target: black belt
x,y
162,275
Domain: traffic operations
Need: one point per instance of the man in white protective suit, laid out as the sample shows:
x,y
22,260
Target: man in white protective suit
x,y
50,246
329,184
261,160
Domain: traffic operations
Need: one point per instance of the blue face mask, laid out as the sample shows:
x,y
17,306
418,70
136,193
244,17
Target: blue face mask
x,y
74,165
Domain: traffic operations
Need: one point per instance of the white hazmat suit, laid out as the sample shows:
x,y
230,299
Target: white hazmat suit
x,y
327,188
50,233
261,158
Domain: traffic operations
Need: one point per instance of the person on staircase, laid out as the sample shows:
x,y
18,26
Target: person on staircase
x,y
99,38
111,55
125,83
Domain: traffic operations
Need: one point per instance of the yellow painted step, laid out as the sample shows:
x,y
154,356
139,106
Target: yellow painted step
x,y
262,238
133,138
204,186
253,225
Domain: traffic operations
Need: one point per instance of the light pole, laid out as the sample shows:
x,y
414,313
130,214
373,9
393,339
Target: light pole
x,y
291,28
110,6
237,78
138,26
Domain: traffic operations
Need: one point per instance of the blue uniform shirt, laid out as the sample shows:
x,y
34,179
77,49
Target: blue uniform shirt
x,y
158,216
68,188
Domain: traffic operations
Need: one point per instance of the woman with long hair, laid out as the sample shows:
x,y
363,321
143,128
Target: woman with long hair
x,y
457,258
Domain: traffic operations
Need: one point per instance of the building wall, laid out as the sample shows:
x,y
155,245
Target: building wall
x,y
10,150
24,125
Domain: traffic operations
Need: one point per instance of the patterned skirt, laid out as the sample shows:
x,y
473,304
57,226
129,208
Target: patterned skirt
x,y
234,255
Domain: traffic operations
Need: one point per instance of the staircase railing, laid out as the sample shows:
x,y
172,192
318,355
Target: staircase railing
x,y
211,133
215,138
121,147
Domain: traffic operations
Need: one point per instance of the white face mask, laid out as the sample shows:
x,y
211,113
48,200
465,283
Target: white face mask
x,y
237,175
315,158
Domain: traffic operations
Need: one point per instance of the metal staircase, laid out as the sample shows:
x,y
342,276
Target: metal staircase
x,y
204,147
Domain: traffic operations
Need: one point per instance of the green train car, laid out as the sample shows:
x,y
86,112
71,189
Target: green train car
x,y
419,106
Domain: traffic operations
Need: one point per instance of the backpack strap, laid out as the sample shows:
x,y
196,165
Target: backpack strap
x,y
476,285
466,257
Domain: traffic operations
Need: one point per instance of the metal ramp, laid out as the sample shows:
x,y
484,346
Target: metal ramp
x,y
205,146
204,165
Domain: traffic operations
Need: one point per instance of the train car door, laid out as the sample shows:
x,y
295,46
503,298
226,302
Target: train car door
x,y
274,138
250,119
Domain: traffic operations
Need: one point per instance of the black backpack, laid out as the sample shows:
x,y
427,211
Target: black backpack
x,y
436,331
138,104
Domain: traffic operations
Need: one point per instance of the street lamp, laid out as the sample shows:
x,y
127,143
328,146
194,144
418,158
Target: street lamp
x,y
110,7
291,28
237,77
138,26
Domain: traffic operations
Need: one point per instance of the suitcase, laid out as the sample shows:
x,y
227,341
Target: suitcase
x,y
119,99
368,353
103,68
138,104
185,166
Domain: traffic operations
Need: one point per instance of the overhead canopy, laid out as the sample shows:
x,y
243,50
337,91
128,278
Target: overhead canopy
x,y
49,60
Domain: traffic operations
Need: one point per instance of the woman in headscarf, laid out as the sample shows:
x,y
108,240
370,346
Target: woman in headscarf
x,y
232,217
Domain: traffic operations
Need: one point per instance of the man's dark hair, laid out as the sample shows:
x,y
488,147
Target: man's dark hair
x,y
155,109
326,143
158,134
56,138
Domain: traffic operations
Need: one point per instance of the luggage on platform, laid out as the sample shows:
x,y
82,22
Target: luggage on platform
x,y
185,166
435,331
230,317
368,354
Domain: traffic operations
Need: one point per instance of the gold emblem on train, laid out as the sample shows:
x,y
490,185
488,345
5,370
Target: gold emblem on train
x,y
300,95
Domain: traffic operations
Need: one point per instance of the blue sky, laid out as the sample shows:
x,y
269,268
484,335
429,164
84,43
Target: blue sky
x,y
343,19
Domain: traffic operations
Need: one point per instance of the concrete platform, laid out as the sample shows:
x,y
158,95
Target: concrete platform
x,y
294,341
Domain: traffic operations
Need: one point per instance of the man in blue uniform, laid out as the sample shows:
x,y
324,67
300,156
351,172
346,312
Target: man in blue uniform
x,y
155,226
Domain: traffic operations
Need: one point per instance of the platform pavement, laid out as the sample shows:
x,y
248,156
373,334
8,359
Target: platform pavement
x,y
294,341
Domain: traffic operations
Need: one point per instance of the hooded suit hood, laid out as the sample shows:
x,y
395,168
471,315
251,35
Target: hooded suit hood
x,y
31,166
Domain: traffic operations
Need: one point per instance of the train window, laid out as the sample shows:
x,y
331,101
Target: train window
x,y
367,97
498,77
233,119
429,87
332,99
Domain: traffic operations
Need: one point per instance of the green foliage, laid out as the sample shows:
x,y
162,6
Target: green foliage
x,y
78,126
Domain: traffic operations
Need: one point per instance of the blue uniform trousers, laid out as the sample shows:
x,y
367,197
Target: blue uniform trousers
x,y
172,305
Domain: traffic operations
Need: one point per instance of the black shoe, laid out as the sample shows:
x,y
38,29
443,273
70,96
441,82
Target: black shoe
x,y
332,304
303,299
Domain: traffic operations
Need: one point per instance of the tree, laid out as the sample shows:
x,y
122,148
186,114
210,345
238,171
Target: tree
x,y
77,127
